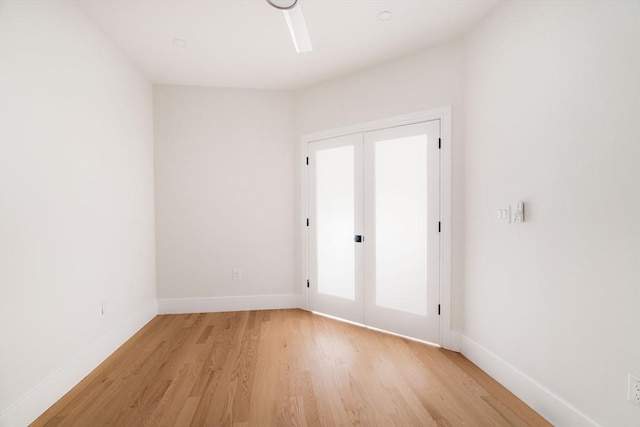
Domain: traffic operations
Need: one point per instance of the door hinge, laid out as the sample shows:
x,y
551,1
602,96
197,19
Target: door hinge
x,y
307,161
439,143
307,222
307,283
438,309
439,226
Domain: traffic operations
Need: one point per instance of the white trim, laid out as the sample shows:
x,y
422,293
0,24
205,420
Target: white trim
x,y
454,338
548,404
45,394
403,119
230,303
304,230
448,338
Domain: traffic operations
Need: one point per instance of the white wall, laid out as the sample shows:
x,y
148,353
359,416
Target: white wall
x,y
553,119
431,79
76,203
224,167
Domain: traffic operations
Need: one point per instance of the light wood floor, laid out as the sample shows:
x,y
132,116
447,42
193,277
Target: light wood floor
x,y
282,368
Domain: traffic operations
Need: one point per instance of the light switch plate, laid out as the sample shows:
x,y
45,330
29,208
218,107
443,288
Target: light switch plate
x,y
517,211
503,216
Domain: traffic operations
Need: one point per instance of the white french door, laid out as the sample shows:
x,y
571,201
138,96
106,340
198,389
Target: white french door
x,y
373,206
335,217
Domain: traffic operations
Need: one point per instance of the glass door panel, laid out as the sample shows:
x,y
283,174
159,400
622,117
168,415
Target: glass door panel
x,y
401,223
334,221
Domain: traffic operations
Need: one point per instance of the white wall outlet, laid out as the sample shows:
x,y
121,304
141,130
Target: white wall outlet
x,y
634,389
236,274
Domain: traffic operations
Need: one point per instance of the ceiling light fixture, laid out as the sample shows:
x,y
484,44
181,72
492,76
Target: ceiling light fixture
x,y
385,15
282,4
295,21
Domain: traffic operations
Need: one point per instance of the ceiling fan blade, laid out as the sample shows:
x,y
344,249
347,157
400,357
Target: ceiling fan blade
x,y
298,29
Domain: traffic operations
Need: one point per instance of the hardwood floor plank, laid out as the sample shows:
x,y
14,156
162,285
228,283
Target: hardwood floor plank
x,y
282,368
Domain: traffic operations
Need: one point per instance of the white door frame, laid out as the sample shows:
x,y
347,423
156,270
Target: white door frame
x,y
447,335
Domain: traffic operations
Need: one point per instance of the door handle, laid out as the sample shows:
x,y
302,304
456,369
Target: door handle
x,y
358,238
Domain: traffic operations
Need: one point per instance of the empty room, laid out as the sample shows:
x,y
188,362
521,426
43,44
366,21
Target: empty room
x,y
319,213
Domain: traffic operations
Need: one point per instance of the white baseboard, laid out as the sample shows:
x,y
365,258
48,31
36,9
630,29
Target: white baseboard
x,y
40,398
451,340
232,303
556,410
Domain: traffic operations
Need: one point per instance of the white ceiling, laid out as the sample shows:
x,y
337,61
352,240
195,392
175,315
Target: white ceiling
x,y
246,43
